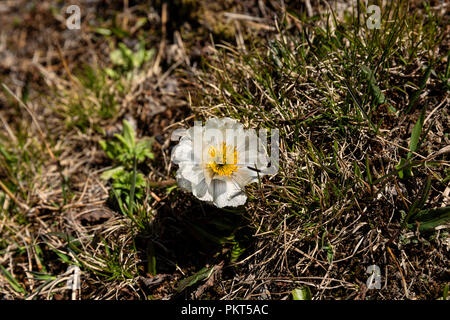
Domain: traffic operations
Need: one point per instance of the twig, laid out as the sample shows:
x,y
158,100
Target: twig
x,y
162,45
160,184
401,272
65,64
9,193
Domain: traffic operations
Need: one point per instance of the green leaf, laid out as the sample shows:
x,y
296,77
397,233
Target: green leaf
x,y
127,55
171,188
375,89
429,219
125,149
112,173
419,91
128,133
203,274
64,258
133,187
42,276
236,252
117,58
111,73
103,31
139,57
369,176
404,168
140,22
119,32
415,135
103,144
151,259
12,281
303,293
418,203
39,256
445,293
143,149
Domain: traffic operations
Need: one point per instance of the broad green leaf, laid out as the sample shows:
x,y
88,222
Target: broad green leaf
x,y
303,293
128,133
203,274
404,168
103,31
415,135
127,55
108,174
117,58
429,219
125,142
103,144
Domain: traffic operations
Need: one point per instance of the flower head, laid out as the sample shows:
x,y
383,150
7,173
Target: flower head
x,y
217,160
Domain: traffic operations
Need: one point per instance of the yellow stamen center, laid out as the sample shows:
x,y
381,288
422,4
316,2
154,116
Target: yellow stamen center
x,y
218,160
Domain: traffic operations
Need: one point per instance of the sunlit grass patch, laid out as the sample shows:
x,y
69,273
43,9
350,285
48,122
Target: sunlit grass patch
x,y
350,103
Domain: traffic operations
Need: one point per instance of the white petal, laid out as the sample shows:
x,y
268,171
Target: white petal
x,y
183,183
209,175
226,193
191,172
245,176
201,191
183,151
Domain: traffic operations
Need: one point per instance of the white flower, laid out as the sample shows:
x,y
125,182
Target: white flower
x,y
217,160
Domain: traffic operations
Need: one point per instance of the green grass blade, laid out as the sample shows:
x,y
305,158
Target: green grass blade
x,y
132,189
419,91
203,274
375,89
419,203
445,293
415,135
431,218
151,259
12,281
